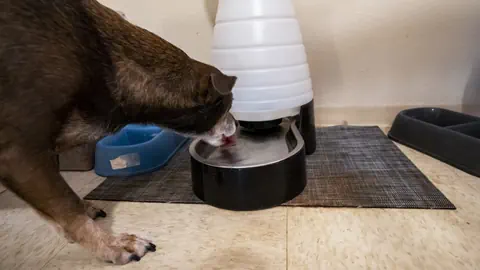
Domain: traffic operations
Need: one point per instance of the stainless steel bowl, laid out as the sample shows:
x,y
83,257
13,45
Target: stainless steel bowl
x,y
262,170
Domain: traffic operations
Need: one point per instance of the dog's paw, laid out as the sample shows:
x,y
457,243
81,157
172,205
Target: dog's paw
x,y
127,248
93,212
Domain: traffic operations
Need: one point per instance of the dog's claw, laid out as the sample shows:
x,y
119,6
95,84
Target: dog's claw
x,y
94,212
152,247
135,258
101,214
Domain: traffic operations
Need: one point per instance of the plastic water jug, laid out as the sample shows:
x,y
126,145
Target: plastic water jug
x,y
260,42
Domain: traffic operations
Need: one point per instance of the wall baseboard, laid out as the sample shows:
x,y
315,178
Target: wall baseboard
x,y
378,116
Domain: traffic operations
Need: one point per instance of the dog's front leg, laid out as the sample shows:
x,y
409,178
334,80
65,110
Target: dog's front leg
x,y
33,177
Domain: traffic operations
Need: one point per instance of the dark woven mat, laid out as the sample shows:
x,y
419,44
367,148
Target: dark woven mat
x,y
352,167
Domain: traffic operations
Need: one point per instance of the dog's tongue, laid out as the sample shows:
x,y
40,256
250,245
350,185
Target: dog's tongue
x,y
229,141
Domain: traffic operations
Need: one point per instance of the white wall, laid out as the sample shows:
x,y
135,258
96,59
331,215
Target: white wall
x,y
366,57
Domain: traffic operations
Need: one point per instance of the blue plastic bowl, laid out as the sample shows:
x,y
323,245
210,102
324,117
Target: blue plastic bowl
x,y
136,149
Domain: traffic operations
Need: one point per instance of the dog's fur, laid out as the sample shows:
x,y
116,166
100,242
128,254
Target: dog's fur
x,y
72,71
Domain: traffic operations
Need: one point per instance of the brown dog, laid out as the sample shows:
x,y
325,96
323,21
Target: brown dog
x,y
70,72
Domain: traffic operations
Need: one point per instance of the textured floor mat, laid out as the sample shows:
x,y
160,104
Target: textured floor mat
x,y
352,167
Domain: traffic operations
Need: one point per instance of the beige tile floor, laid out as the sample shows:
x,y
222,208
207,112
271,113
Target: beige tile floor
x,y
202,237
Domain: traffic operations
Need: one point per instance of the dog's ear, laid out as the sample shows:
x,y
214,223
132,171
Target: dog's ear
x,y
222,83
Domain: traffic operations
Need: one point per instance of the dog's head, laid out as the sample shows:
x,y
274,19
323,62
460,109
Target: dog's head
x,y
210,120
180,94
